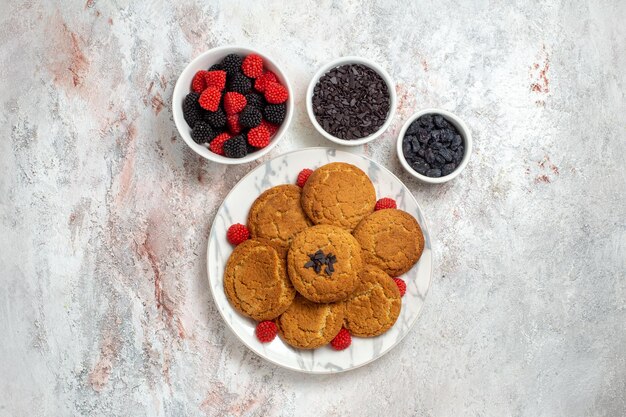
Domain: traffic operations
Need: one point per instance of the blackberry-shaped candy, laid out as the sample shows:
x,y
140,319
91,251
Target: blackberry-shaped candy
x,y
191,109
256,100
236,147
275,113
202,132
250,148
231,64
250,117
217,119
239,83
216,67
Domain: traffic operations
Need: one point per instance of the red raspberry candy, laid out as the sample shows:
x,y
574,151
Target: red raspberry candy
x,y
261,82
198,84
272,128
210,99
234,102
237,233
217,144
233,124
401,286
259,137
276,93
385,203
266,331
215,79
252,66
303,176
342,340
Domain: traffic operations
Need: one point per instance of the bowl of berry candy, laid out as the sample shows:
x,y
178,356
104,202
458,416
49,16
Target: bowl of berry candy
x,y
434,146
232,104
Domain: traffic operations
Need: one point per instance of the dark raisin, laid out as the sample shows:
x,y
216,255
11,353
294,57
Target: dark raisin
x,y
434,173
406,148
446,154
447,169
455,142
430,156
420,165
413,128
439,121
447,136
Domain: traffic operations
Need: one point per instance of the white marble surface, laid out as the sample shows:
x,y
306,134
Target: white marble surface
x,y
105,308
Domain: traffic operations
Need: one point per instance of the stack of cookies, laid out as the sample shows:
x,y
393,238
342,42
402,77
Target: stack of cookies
x,y
321,257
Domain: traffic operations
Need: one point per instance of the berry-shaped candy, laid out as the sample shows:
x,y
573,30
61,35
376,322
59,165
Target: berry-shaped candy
x,y
210,99
231,64
385,203
217,119
261,82
303,176
255,100
215,79
239,83
191,109
259,137
275,113
234,102
235,147
217,144
276,93
202,133
272,128
237,233
233,124
342,340
198,83
266,331
250,117
401,286
252,66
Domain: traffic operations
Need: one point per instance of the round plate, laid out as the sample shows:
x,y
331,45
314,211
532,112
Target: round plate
x,y
284,169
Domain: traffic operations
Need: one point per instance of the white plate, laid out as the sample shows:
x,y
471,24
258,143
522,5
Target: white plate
x,y
284,169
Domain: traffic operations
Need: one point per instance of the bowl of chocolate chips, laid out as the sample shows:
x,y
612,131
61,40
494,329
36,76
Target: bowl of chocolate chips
x,y
351,100
434,146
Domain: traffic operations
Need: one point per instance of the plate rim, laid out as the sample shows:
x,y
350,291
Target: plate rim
x,y
305,371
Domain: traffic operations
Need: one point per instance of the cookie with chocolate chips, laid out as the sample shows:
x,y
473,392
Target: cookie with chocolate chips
x,y
323,262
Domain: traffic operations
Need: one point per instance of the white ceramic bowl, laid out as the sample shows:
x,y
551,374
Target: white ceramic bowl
x,y
346,61
465,133
183,87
